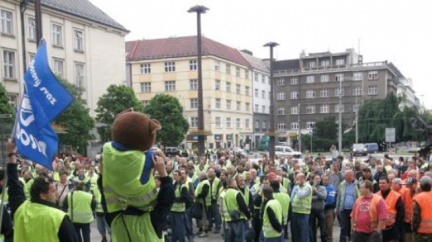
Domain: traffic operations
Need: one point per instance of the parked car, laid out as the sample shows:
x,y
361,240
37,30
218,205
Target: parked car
x,y
372,147
171,151
237,150
359,149
285,151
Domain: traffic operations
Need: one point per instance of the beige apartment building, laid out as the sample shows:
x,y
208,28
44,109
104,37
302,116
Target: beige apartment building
x,y
169,66
308,89
85,46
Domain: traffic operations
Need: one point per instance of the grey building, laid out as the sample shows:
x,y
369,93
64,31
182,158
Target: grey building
x,y
308,88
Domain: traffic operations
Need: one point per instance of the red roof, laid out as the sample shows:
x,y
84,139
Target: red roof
x,y
180,47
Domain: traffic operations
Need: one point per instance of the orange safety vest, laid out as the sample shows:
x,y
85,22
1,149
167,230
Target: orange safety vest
x,y
401,191
408,204
391,201
373,212
424,200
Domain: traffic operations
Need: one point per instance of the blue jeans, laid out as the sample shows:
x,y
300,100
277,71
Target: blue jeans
x,y
345,223
102,225
188,225
84,231
278,239
300,227
178,226
320,216
235,231
215,215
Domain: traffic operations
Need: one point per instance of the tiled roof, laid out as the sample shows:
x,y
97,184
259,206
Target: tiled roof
x,y
286,65
83,9
180,47
255,62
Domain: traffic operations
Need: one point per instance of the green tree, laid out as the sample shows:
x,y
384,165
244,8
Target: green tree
x,y
76,120
327,128
169,112
116,100
5,107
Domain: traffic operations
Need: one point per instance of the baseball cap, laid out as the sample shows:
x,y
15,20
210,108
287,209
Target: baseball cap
x,y
272,176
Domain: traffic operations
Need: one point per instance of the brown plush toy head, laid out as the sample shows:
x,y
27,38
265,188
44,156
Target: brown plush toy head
x,y
135,130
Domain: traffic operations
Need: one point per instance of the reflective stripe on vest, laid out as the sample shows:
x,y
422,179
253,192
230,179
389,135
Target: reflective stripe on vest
x,y
79,207
391,201
373,211
424,200
178,207
302,205
268,230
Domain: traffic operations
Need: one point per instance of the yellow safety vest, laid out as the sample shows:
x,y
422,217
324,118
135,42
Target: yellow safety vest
x,y
207,199
302,205
268,230
178,207
284,200
79,207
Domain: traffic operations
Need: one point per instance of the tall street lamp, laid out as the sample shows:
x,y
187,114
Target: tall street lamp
x,y
340,117
199,9
272,142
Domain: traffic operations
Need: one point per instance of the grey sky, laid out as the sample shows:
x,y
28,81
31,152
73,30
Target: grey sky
x,y
397,31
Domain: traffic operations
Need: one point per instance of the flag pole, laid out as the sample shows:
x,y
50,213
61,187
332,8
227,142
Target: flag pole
x,y
5,179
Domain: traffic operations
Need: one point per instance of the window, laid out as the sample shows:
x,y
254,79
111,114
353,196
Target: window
x,y
310,93
324,93
193,83
6,22
339,77
281,96
228,122
281,111
373,75
79,74
228,104
57,34
217,84
9,64
78,40
339,92
238,106
145,68
357,76
217,66
238,123
325,63
310,125
257,126
281,126
372,90
194,122
310,109
263,79
193,65
194,103
294,110
311,64
145,87
324,78
31,29
246,74
336,109
58,67
247,123
294,81
228,69
146,102
169,66
247,91
170,86
294,95
256,76
237,71
357,91
256,107
218,122
263,108
228,87
325,109
256,92
263,96
280,82
340,62
247,107
295,125
310,79
238,89
264,125
218,103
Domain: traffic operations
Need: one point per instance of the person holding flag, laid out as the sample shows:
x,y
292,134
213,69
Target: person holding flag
x,y
44,99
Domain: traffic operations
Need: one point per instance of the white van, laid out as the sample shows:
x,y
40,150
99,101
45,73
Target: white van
x,y
285,151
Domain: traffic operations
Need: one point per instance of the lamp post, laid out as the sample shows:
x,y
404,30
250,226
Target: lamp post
x,y
340,117
311,141
199,9
272,141
38,20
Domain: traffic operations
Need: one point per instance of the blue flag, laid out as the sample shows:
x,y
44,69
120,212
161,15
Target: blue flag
x,y
43,100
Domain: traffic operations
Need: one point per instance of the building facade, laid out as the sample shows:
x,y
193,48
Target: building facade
x,y
406,92
85,46
169,66
261,99
309,88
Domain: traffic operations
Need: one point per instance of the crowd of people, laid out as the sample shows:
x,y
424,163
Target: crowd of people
x,y
231,195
